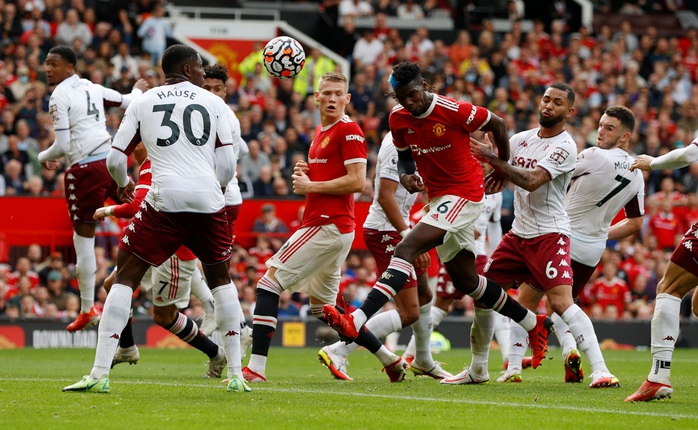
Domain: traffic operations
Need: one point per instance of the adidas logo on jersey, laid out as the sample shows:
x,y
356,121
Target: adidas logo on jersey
x,y
410,131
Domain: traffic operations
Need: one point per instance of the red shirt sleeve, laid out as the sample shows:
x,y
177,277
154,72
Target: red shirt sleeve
x,y
127,210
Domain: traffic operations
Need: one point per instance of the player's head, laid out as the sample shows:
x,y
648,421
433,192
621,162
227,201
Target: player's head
x,y
410,89
332,97
556,105
615,128
216,77
181,62
60,64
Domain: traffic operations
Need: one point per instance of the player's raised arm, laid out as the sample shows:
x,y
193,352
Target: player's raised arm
x,y
675,159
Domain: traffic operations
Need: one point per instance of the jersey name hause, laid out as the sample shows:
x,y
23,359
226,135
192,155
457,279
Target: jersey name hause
x,y
176,93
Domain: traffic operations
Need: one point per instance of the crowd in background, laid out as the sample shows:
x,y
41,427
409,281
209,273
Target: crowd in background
x,y
119,42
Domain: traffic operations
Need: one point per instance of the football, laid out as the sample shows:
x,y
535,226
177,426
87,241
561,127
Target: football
x,y
284,57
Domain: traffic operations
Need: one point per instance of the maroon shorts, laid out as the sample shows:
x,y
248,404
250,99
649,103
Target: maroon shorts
x,y
153,236
87,187
686,253
382,244
232,212
444,285
543,260
582,274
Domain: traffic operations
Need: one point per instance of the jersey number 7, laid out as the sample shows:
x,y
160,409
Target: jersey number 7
x,y
624,182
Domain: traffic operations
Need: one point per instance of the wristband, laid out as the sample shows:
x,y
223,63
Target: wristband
x,y
404,232
109,211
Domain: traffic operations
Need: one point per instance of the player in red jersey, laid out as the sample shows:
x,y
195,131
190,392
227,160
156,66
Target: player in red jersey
x,y
310,261
433,132
172,281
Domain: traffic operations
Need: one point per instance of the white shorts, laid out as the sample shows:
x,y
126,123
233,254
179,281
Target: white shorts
x,y
170,282
457,217
311,261
587,251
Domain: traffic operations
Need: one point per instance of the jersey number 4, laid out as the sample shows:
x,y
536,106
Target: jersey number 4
x,y
624,182
91,108
186,122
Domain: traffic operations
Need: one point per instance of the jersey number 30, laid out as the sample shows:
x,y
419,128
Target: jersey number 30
x,y
187,123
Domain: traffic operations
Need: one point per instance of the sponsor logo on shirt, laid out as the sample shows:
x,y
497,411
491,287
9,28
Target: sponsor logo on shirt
x,y
317,160
440,129
351,137
471,117
527,163
422,151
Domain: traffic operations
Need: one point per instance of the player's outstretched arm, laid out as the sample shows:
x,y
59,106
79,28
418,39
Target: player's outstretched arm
x,y
529,180
498,128
680,157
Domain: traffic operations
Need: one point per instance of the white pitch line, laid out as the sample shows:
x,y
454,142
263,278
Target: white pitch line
x,y
258,387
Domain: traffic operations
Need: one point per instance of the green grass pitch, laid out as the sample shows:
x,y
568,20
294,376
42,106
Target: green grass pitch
x,y
166,390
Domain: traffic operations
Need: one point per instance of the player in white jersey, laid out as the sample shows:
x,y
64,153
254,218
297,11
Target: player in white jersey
x,y
216,77
387,222
537,248
77,107
680,277
187,134
591,205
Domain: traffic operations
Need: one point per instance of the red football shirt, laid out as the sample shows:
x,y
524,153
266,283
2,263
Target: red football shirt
x,y
440,143
333,148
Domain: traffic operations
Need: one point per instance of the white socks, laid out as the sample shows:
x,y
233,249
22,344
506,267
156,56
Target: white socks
x,y
501,333
114,318
86,268
380,325
518,345
564,335
422,333
202,292
437,315
665,331
481,333
228,319
583,331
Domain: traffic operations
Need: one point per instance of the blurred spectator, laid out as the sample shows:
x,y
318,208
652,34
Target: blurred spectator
x,y
316,65
154,32
14,179
268,221
609,291
72,28
253,161
409,9
354,8
287,308
664,226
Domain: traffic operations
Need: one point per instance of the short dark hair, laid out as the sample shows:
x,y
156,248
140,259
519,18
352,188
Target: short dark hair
x,y
624,115
65,53
175,56
404,73
217,71
566,88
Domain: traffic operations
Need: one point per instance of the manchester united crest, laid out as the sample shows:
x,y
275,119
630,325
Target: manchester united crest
x,y
325,142
439,129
